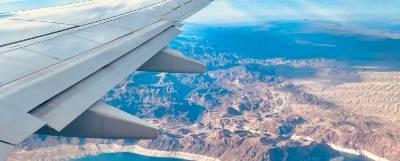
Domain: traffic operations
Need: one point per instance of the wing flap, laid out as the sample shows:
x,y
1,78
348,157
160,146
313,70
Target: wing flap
x,y
172,61
81,96
5,150
104,121
23,125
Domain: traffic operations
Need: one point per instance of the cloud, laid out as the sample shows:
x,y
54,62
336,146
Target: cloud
x,y
305,42
221,12
18,5
8,1
248,11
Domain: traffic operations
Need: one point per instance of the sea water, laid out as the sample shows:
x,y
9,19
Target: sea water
x,y
124,157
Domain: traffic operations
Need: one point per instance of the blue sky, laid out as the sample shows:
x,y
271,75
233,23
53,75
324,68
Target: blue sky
x,y
15,5
255,11
251,11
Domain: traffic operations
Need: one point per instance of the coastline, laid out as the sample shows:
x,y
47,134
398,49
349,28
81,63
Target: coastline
x,y
69,152
66,152
360,152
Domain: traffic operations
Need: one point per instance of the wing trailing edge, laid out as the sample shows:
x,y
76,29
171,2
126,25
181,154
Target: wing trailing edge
x,y
23,125
5,149
172,61
104,121
62,109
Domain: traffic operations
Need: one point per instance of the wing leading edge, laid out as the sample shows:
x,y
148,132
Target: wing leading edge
x,y
62,60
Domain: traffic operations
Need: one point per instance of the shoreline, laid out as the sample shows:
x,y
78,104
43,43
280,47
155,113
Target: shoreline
x,y
69,152
66,152
360,152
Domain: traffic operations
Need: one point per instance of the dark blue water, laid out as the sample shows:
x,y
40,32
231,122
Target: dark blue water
x,y
319,152
301,40
124,157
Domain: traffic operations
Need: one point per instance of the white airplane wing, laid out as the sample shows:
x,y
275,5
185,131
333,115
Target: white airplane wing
x,y
57,62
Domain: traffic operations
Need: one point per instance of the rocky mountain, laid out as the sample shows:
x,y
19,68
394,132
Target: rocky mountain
x,y
263,109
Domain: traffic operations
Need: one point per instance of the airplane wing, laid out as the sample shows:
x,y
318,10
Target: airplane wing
x,y
57,62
